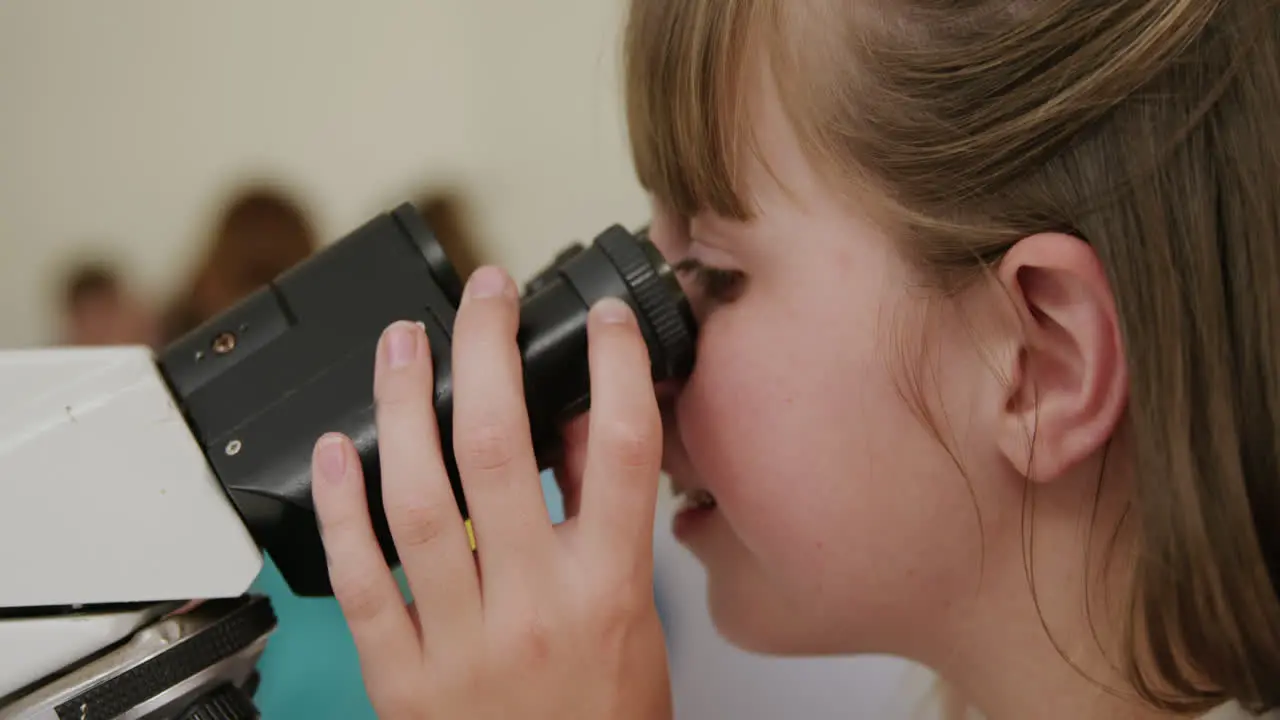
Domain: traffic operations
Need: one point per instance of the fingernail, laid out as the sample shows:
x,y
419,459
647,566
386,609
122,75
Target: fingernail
x,y
613,311
331,457
487,282
402,344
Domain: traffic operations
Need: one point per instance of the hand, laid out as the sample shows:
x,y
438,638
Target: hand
x,y
544,621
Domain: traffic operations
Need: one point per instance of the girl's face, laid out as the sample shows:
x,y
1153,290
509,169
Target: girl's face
x,y
840,523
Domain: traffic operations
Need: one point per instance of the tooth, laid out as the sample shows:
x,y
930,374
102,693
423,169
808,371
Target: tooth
x,y
700,499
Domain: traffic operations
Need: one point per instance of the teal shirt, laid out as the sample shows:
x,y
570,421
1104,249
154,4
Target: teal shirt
x,y
310,668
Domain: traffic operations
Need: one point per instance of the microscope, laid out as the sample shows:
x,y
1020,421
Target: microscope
x,y
140,489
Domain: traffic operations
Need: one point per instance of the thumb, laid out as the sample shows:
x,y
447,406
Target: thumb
x,y
573,463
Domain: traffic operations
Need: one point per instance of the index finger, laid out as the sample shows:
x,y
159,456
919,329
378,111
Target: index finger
x,y
624,450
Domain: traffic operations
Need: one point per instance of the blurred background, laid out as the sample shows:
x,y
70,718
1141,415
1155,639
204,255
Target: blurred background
x,y
159,160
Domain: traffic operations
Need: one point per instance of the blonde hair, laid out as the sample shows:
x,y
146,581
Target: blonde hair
x,y
1146,128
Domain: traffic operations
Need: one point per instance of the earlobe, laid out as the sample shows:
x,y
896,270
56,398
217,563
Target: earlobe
x,y
1069,384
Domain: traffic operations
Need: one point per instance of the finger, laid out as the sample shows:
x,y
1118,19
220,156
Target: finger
x,y
491,430
422,512
362,583
569,472
624,452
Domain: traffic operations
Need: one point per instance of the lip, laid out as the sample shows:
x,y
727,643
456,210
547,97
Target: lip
x,y
690,522
692,515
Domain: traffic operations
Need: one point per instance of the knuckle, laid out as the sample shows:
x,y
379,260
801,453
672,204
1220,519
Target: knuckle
x,y
393,696
396,394
465,673
617,597
359,596
632,443
614,612
415,524
392,399
528,641
339,522
487,446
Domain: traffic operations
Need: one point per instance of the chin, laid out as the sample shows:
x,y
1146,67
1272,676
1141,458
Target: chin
x,y
755,621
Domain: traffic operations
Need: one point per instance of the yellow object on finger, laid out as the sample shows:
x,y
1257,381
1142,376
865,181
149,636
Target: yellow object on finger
x,y
471,534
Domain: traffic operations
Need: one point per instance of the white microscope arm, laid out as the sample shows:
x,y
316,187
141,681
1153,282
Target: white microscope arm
x,y
106,499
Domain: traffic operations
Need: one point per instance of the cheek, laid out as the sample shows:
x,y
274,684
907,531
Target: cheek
x,y
794,416
795,420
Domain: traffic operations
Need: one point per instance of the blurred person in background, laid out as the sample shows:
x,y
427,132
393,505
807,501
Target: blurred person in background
x,y
261,233
447,214
97,307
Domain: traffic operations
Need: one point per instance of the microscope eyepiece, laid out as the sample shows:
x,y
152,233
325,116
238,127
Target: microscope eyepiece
x,y
627,266
260,383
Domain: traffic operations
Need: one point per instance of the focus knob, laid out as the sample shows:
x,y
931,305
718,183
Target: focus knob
x,y
659,299
226,702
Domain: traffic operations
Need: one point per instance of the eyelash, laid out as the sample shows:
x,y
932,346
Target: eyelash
x,y
719,284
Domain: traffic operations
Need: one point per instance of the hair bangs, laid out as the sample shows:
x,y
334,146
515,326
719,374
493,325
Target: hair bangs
x,y
685,65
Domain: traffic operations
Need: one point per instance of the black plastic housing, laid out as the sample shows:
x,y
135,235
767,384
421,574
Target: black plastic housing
x,y
260,383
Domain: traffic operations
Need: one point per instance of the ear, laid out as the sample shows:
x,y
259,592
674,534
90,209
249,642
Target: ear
x,y
1069,386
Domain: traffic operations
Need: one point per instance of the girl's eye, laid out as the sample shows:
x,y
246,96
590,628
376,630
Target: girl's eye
x,y
720,285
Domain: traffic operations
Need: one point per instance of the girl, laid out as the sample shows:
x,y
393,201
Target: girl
x,y
988,377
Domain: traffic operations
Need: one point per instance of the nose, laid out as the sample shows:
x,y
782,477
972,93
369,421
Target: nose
x,y
667,393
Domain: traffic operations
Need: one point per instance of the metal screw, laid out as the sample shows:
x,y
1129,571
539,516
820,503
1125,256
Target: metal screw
x,y
224,343
233,447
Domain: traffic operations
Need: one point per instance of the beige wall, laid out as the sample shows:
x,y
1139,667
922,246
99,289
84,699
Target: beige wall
x,y
124,123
